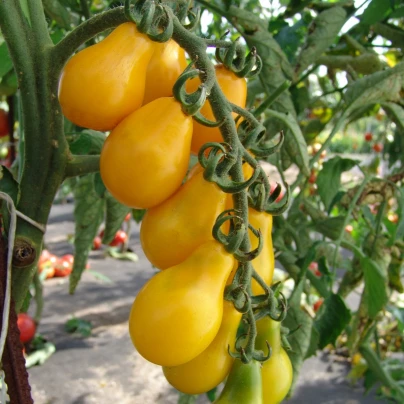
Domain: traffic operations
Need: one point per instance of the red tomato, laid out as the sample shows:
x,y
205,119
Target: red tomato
x,y
97,243
64,266
273,186
120,237
313,177
3,123
377,147
314,268
318,304
27,327
349,228
368,136
127,217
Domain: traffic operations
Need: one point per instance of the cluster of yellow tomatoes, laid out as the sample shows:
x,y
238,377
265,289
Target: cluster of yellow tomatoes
x,y
179,319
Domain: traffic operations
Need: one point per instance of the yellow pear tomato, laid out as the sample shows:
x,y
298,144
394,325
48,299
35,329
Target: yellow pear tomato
x,y
104,83
145,158
178,313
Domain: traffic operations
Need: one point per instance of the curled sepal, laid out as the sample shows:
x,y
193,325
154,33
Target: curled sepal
x,y
146,13
162,33
238,295
193,102
278,208
233,187
205,157
205,121
193,18
243,256
252,65
250,135
260,356
265,152
233,240
279,313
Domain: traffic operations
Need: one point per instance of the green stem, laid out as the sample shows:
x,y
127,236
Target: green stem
x,y
38,22
80,165
270,100
84,32
316,157
376,366
85,9
347,219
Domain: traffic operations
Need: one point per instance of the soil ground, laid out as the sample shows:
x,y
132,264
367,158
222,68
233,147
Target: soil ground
x,y
105,368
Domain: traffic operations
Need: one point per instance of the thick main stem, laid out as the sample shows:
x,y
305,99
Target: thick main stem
x,y
46,150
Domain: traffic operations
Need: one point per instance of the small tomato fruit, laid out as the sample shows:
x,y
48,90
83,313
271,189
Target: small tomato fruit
x,y
27,327
104,83
377,147
145,158
178,313
120,238
368,136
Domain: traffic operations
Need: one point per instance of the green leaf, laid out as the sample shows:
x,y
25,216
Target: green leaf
x,y
115,214
329,178
211,394
40,356
294,143
88,215
334,317
323,32
186,398
138,214
125,256
88,142
301,340
375,88
57,13
397,13
99,185
398,313
8,184
375,292
330,227
314,341
395,113
8,84
275,69
77,325
291,38
376,11
5,61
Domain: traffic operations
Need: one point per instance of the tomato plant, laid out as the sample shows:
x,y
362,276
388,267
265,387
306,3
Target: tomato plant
x,y
73,71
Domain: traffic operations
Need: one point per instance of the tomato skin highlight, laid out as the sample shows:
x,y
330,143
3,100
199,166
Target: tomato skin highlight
x,y
277,371
243,385
165,66
210,368
145,158
235,90
104,83
178,313
171,231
